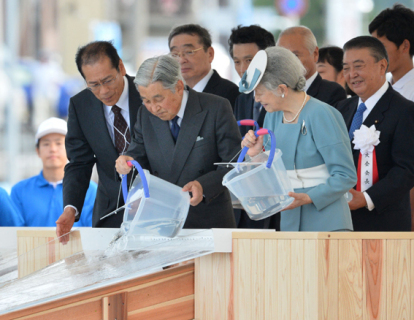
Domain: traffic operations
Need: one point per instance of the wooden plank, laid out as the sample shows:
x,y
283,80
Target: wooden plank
x,y
310,281
117,306
412,279
203,287
398,279
86,311
221,278
375,281
59,306
38,249
179,309
283,274
157,293
33,233
350,280
242,251
327,279
297,280
258,278
105,308
324,235
271,279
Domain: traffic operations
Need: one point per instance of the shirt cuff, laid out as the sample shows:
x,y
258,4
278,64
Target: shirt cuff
x,y
370,204
70,206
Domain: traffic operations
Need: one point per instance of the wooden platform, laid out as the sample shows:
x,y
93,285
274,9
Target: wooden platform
x,y
309,276
170,292
266,275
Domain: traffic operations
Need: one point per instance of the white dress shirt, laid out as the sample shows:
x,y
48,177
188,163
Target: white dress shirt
x,y
405,86
370,104
123,104
200,86
310,81
180,113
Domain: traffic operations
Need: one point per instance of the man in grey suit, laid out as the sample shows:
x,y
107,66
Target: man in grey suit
x,y
190,44
179,135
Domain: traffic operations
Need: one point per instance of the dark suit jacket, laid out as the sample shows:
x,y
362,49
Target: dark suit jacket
x,y
243,109
208,117
88,142
326,91
393,116
222,88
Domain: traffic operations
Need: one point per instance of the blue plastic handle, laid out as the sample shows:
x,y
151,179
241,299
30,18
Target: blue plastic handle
x,y
248,122
143,179
257,133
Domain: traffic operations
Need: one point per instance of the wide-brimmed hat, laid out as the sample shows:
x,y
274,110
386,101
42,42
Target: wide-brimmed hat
x,y
254,73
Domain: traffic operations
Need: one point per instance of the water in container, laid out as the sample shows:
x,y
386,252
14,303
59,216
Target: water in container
x,y
262,188
154,206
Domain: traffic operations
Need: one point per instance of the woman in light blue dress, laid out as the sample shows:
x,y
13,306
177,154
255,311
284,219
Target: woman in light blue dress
x,y
314,141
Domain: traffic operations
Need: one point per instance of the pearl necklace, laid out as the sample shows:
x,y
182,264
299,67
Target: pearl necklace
x,y
303,104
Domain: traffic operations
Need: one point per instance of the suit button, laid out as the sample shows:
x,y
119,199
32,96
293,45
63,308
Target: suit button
x,y
156,173
201,171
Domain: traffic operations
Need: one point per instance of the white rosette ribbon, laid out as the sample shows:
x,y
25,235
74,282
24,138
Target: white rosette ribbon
x,y
365,140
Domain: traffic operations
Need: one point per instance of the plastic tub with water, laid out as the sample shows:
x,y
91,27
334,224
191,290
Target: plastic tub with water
x,y
154,206
263,187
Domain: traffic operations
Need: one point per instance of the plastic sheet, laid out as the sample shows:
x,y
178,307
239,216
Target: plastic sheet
x,y
97,265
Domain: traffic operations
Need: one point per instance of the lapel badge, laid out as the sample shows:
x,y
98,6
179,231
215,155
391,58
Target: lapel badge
x,y
376,121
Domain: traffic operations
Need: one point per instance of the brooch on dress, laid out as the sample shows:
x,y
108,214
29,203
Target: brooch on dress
x,y
303,129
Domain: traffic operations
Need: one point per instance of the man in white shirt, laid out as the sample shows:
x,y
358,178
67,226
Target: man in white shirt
x,y
382,205
394,27
302,42
190,44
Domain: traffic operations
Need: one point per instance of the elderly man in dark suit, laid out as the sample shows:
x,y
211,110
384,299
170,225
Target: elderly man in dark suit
x,y
179,135
302,42
190,44
382,205
100,118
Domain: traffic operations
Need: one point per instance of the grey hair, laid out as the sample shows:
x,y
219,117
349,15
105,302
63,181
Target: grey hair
x,y
163,68
283,67
305,32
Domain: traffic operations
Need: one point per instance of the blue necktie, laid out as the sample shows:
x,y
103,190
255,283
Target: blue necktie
x,y
256,110
357,120
175,128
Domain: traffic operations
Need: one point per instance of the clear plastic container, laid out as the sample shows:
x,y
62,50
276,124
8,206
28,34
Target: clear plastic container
x,y
235,202
262,188
154,206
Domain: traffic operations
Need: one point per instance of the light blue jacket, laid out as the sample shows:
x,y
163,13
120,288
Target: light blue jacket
x,y
319,137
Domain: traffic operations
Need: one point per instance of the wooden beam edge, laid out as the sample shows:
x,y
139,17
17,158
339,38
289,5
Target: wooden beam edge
x,y
325,235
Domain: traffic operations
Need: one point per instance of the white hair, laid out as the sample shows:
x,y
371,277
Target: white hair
x,y
283,67
163,68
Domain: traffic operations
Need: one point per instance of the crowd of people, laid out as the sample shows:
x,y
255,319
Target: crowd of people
x,y
342,126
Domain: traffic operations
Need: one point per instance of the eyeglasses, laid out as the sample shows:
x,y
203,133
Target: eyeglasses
x,y
107,83
184,54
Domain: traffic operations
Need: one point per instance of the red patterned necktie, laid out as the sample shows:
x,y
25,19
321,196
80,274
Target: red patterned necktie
x,y
121,131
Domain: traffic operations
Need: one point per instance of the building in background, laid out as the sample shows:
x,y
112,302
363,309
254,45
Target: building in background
x,y
39,39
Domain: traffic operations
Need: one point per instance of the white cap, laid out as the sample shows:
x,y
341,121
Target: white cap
x,y
254,73
51,125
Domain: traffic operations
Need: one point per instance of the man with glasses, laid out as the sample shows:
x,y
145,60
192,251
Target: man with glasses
x,y
100,118
190,44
